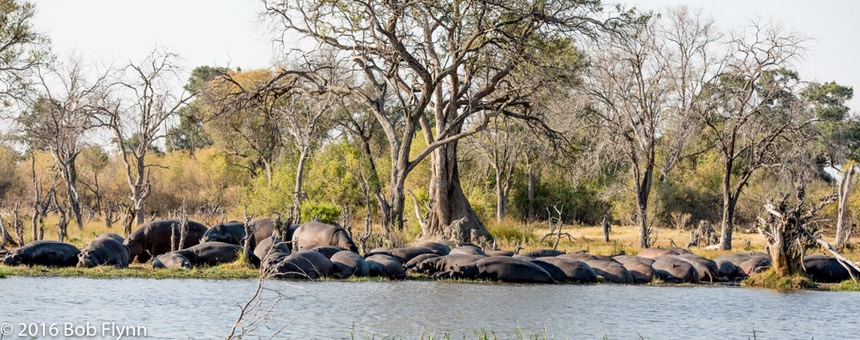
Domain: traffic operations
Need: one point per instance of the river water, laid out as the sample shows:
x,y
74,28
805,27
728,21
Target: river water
x,y
205,309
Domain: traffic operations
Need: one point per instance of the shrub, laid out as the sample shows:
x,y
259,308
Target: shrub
x,y
321,211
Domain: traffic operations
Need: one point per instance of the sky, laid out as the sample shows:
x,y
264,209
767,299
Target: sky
x,y
230,33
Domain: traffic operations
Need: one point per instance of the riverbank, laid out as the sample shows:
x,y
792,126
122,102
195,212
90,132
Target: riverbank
x,y
241,271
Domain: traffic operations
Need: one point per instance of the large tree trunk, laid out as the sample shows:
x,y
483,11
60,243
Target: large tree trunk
x,y
71,176
451,216
728,221
844,190
643,191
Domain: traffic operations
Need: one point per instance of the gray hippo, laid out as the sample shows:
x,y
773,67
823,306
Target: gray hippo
x,y
747,264
436,248
171,260
434,265
418,259
105,250
605,267
707,269
639,267
571,270
402,255
385,266
327,251
263,249
232,232
203,254
44,253
501,268
542,253
313,234
300,265
653,253
154,238
671,269
826,269
347,263
467,249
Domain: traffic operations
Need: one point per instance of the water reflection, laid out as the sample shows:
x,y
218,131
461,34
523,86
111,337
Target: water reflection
x,y
207,309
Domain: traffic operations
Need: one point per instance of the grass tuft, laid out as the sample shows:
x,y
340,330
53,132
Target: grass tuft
x,y
769,279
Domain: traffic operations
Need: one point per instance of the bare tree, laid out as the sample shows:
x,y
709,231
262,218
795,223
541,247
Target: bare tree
x,y
135,111
627,86
502,145
60,118
750,108
444,67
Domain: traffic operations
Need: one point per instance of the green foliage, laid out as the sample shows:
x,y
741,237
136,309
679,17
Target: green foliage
x,y
276,196
321,211
581,203
769,279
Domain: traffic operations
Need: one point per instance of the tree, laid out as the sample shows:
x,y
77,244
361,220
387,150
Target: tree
x,y
750,106
22,49
135,110
190,134
627,85
444,68
501,146
60,118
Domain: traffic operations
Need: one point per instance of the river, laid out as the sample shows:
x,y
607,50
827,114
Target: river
x,y
205,309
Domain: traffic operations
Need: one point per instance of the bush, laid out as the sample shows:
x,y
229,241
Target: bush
x,y
321,211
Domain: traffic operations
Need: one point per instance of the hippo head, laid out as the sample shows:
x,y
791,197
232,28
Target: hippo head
x,y
86,259
135,249
214,234
465,272
171,261
13,259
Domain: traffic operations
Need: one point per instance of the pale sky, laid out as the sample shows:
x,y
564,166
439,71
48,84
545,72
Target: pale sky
x,y
222,32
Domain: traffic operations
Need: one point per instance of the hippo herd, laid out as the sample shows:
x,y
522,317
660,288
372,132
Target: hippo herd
x,y
313,250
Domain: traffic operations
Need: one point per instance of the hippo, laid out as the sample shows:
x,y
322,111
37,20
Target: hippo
x,y
543,253
727,267
826,269
171,260
304,264
385,265
436,248
653,253
672,269
105,250
154,238
203,254
586,257
501,268
44,253
314,234
114,236
403,255
445,263
232,232
348,263
639,267
467,249
707,269
572,271
740,265
265,247
507,253
327,251
418,259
